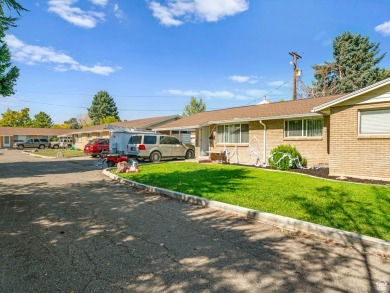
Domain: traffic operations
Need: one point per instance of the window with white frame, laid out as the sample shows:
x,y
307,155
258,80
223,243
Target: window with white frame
x,y
374,121
233,133
99,135
79,138
303,128
89,136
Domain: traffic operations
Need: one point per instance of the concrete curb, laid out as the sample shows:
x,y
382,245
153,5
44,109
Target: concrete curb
x,y
359,242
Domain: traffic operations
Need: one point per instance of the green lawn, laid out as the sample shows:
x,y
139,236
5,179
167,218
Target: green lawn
x,y
66,153
359,208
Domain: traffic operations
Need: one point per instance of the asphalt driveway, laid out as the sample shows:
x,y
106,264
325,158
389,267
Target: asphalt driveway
x,y
64,227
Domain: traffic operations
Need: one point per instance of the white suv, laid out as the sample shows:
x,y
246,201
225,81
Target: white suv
x,y
158,146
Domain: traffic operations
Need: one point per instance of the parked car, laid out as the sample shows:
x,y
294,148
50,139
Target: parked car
x,y
158,146
40,143
96,147
62,142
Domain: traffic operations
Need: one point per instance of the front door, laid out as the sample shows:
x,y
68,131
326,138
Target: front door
x,y
204,141
7,142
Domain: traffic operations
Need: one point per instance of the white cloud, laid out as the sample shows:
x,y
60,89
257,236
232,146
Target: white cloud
x,y
32,55
276,83
202,94
244,79
239,78
118,12
383,28
256,93
99,2
75,15
209,94
177,12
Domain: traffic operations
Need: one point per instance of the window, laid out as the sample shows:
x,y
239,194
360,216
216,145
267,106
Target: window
x,y
303,128
150,139
375,122
79,138
233,133
89,136
135,139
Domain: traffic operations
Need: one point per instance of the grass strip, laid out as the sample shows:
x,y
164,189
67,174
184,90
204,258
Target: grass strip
x,y
358,208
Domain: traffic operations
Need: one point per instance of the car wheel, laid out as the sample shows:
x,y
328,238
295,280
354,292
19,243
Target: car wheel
x,y
41,146
190,154
155,157
94,156
20,147
110,164
55,146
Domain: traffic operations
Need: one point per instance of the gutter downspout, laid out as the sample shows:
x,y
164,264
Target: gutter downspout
x,y
265,143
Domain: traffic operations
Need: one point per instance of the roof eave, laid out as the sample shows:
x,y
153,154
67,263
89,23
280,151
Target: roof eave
x,y
351,95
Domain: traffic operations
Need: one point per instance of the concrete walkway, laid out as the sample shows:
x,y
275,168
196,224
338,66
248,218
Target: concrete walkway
x,y
64,226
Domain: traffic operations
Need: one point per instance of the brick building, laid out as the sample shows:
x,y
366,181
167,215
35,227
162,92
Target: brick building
x,y
350,133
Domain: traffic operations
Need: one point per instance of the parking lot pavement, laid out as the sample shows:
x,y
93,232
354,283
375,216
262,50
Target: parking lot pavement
x,y
64,227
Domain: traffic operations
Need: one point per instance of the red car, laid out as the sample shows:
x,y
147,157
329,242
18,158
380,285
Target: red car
x,y
96,147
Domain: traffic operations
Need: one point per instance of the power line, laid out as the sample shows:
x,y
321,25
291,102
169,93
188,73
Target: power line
x,y
267,94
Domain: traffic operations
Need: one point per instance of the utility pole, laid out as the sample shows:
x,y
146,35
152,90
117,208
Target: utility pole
x,y
296,57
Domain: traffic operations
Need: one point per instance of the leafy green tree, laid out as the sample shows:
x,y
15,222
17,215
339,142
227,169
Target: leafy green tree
x,y
42,120
194,107
8,74
354,66
108,120
16,119
103,105
73,123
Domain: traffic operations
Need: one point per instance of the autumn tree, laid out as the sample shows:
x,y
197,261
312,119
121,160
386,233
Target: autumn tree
x,y
108,120
354,66
42,120
16,119
103,105
194,107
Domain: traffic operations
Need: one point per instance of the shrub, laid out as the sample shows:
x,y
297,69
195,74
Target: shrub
x,y
286,157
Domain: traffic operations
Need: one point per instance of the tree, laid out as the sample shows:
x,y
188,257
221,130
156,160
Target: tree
x,y
108,120
354,67
7,77
16,119
12,5
42,120
194,107
73,123
103,105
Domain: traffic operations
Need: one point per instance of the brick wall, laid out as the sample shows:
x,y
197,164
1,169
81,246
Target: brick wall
x,y
353,155
315,150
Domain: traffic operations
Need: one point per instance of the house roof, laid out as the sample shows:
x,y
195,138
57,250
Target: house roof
x,y
145,123
351,95
10,131
278,110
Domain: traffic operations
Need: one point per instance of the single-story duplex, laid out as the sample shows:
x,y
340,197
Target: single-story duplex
x,y
10,135
82,136
349,133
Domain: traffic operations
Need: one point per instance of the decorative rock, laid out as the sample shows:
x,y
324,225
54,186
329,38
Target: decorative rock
x,y
60,155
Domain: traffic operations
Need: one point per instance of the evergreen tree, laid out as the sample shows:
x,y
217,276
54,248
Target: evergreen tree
x,y
7,77
103,105
194,107
354,67
42,120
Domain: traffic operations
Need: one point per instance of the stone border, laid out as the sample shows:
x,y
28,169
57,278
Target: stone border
x,y
359,242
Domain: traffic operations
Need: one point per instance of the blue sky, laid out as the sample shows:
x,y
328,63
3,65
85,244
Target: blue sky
x,y
151,56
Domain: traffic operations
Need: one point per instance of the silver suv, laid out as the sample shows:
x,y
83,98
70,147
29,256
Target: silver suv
x,y
40,143
158,146
62,142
